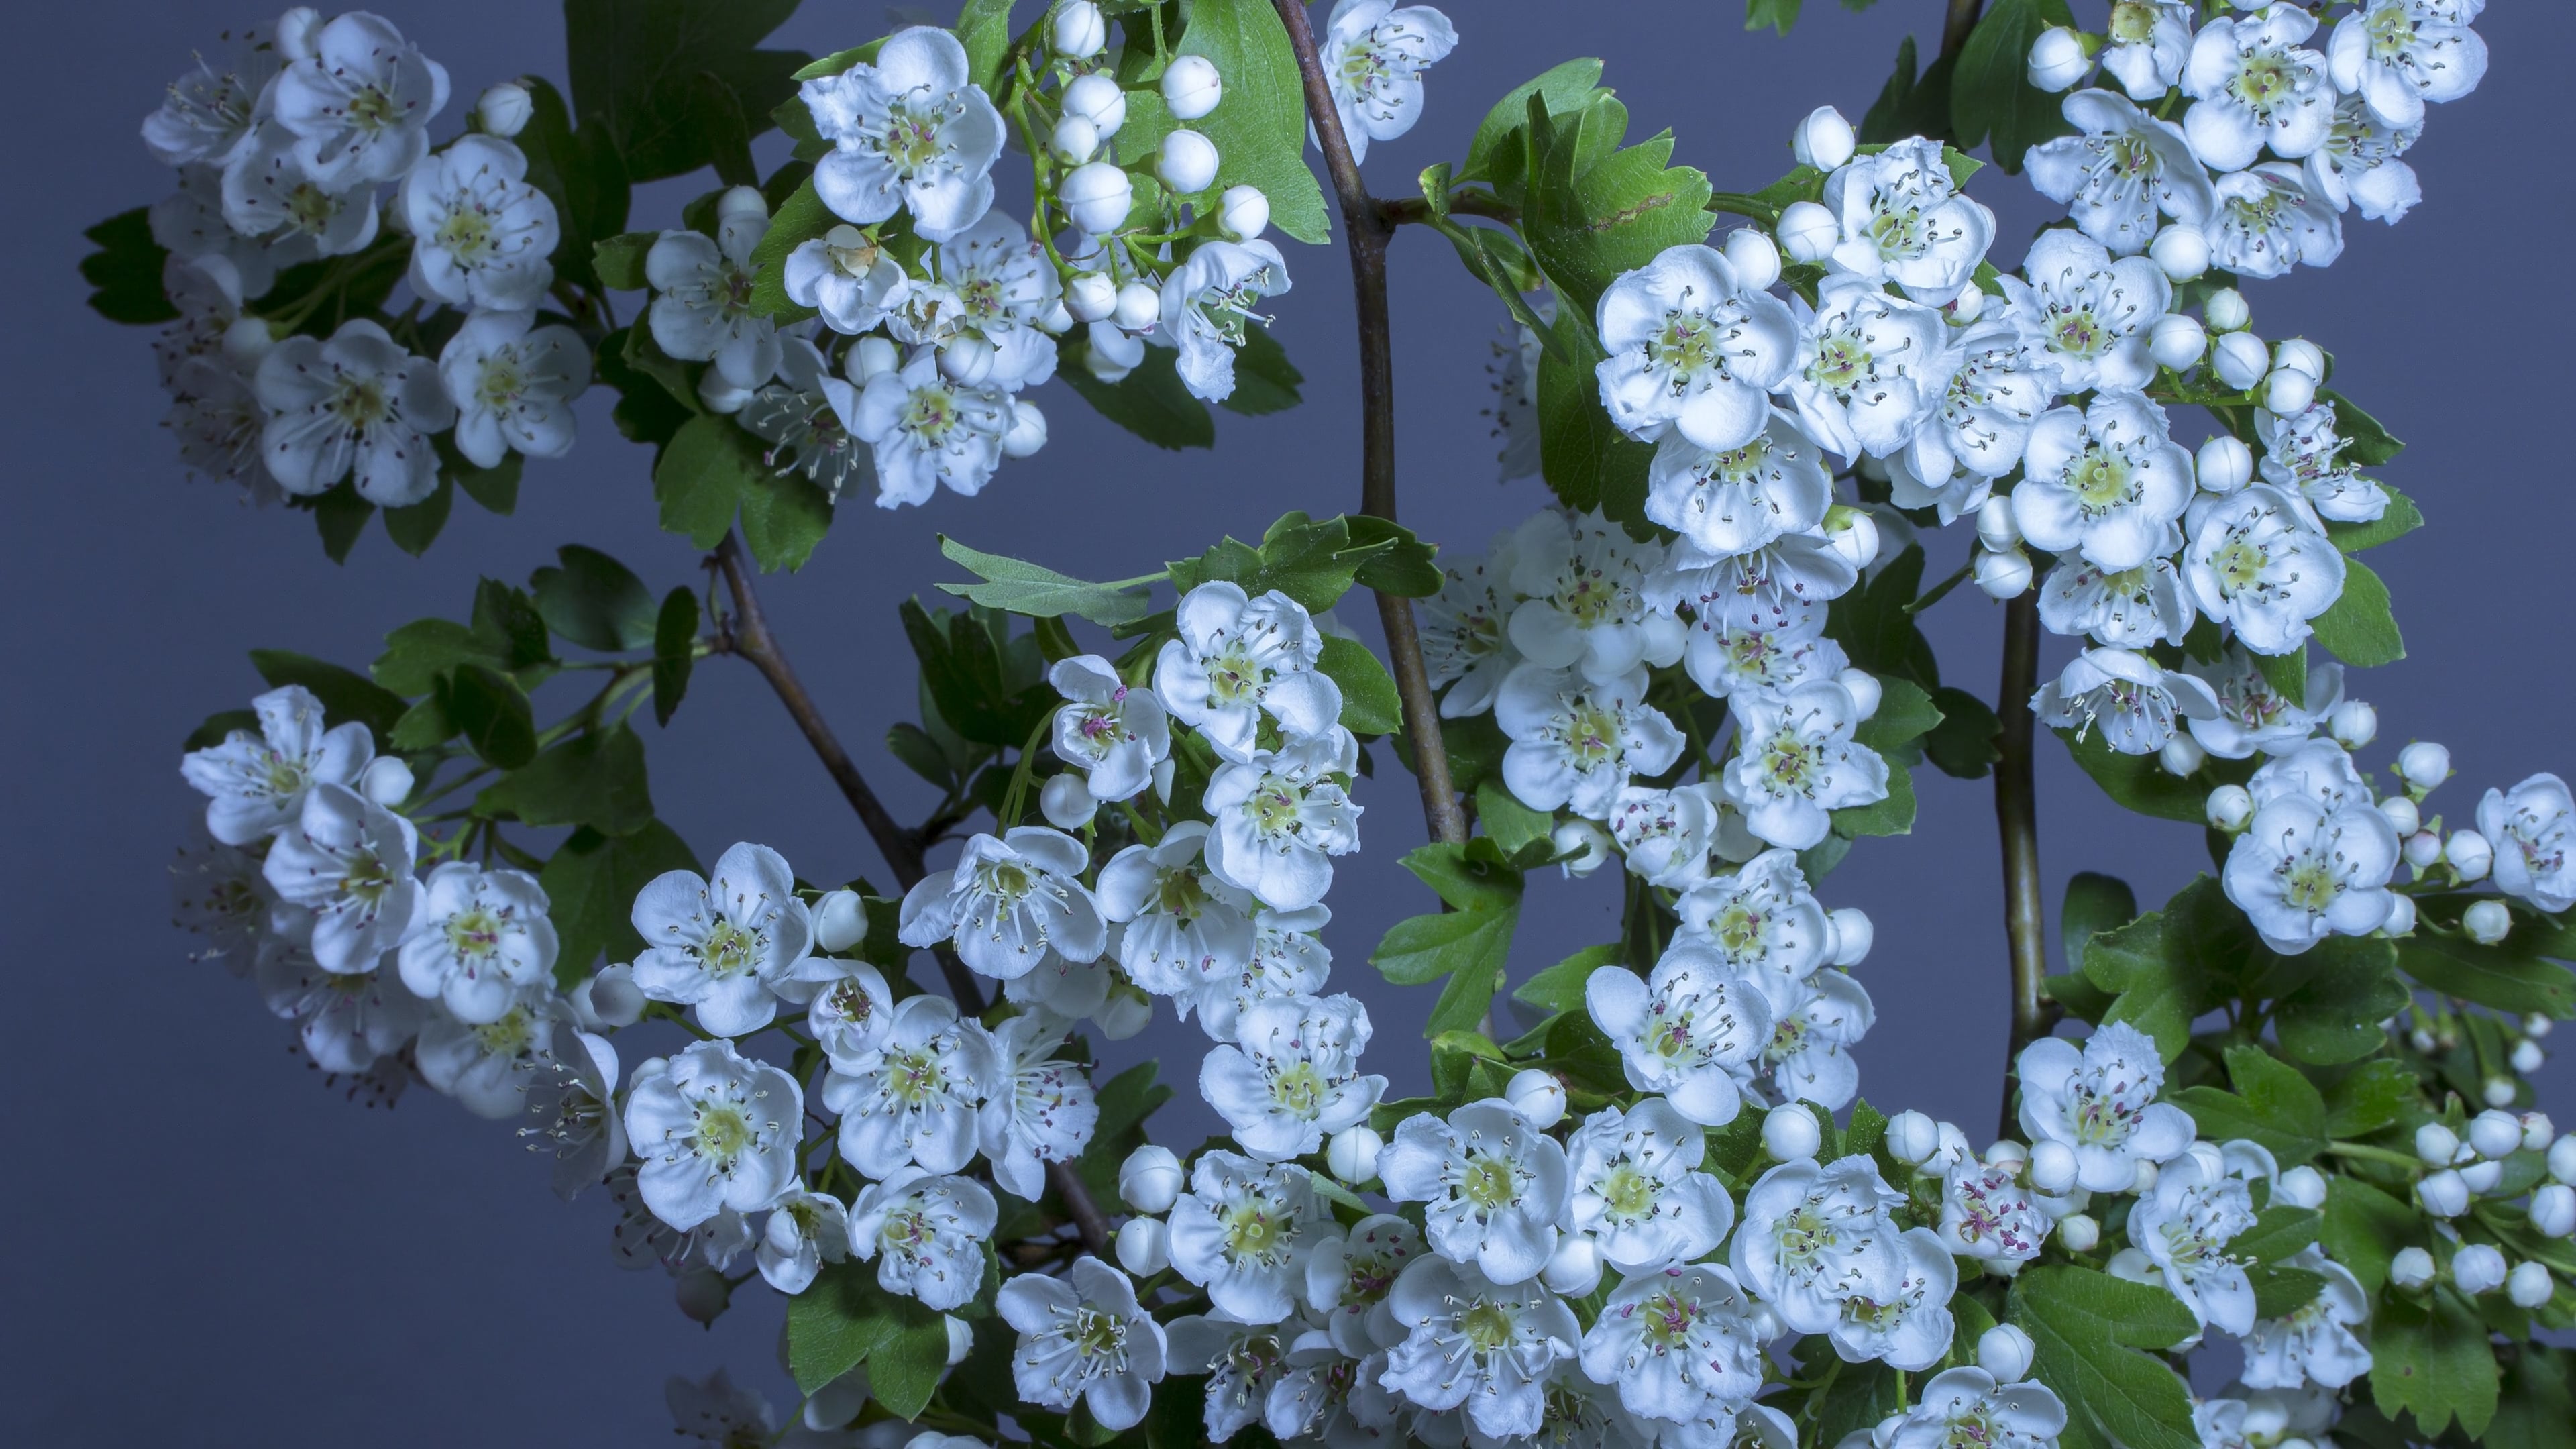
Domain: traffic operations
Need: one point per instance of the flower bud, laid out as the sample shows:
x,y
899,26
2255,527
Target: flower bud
x,y
2181,755
2553,1211
2078,1233
837,1403
1765,1322
2057,59
2436,1145
2002,573
2487,921
702,1294
1125,1013
1538,1095
386,780
1583,844
2145,1182
1854,535
295,32
2537,1024
2225,311
1054,321
504,110
2423,850
2562,1159
2500,1091
2300,355
742,203
1091,297
2401,916
1097,99
1352,1154
1076,31
2004,1152
2527,1057
2411,1269
1192,87
2529,1285
2005,1352
2301,1186
2240,360
609,1000
1187,163
1912,1137
2443,1194
1755,257
1144,1246
1853,935
1864,689
2536,1131
1574,1269
2477,1268
2353,723
719,396
1028,432
247,341
1823,140
2230,806
840,920
2182,250
961,1338
1243,212
2482,1177
1150,1179
1968,306
2289,392
967,359
2424,765
2495,1134
2178,342
2469,853
1073,141
1808,232
2052,1167
1139,306
1065,800
2224,465
2402,816
1790,1132
1995,526
870,356
1096,196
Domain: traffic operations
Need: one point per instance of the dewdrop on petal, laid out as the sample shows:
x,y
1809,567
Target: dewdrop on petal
x,y
1192,87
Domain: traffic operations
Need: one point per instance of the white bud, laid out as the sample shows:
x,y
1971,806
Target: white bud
x,y
2500,1091
2182,250
1077,31
2178,342
2052,1167
2078,1233
1864,689
2225,311
1091,297
1853,935
2482,1177
2181,755
1808,232
961,1338
504,109
2289,392
1243,212
2002,573
2553,1210
1192,87
1854,535
1139,306
742,203
1144,1246
1583,844
2443,1194
967,359
719,396
2527,1057
1096,196
2436,1145
1755,257
869,357
1125,1013
1065,800
1073,141
386,780
2230,806
1574,1269
2536,1131
2562,1159
2487,921
840,920
2300,355
2469,853
1352,1154
2224,465
1765,1322
2424,765
248,340
1995,526
2477,1268
295,32
1187,164
2402,816
1790,1132
1968,306
1097,99
1150,1179
2057,59
1055,321
702,1294
2145,1183
1539,1096
2353,723
1912,1137
2401,916
2004,1152
2240,359
609,1000
2529,1285
2537,1024
2420,1039
2301,1186
2495,1134
2411,1269
2005,1352
1823,140
2423,850
1028,432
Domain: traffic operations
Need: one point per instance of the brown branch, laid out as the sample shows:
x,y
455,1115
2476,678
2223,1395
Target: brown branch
x,y
2017,818
1465,201
1369,227
1955,27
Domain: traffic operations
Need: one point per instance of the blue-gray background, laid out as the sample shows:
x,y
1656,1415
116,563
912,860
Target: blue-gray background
x,y
209,1248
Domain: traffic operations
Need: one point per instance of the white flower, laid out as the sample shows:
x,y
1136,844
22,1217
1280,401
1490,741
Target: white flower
x,y
1206,304
638,1239
927,431
2313,1343
2529,827
2088,314
2358,165
719,947
206,293
909,131
1690,1030
719,1412
1865,364
2252,715
2122,608
702,300
1665,834
802,416
2318,770
1912,1330
1815,1234
1726,658
1244,1362
846,277
1576,744
1466,639
2100,1099
348,860
1774,587
217,419
926,1235
348,1021
1037,1109
216,891
2149,42
2303,870
1904,221
1680,1346
1737,500
1184,928
1690,348
1290,1076
2257,561
2184,1227
2252,85
1581,581
2300,454
1637,1191
1477,1344
1083,1339
1349,1275
513,386
1009,900
1238,658
805,1231
1243,1232
1761,918
1967,1406
256,784
359,100
2398,54
1327,1395
2269,220
1492,1185
1815,1019
2108,481
357,401
714,1130
481,235
1003,285
915,1095
1988,1213
1796,761
190,222
207,113
1984,394
1374,53
1288,959
1281,816
480,939
572,1102
2121,174
2139,705
267,191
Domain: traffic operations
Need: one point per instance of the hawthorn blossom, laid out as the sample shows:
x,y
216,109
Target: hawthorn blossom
x,y
1374,53
1037,1109
845,276
638,1239
2253,86
2315,1342
1988,1212
1691,349
256,784
2257,561
1815,1020
2116,608
481,235
1008,901
719,946
1581,582
190,223
1690,1030
1326,1394
2398,54
1004,287
1761,918
805,1230
1114,733
2302,455
2124,171
848,1006
1349,1275
1244,1363
1776,586
2139,705
1862,382
1243,1232
1637,1191
1493,1186
1184,927
2358,166
2268,221
207,113
2108,482
718,1411
357,402
1912,1330
1796,762
1815,1234
217,419
926,1234
1680,1345
2252,715
2100,1099
927,430
1289,1077
1083,1338
713,1130
1726,658
1733,501
2529,827
2317,770
1967,1406
1983,394
1475,1344
1466,638
2302,871
1575,744
2149,42
1904,221
1665,834
2184,1227
216,891
917,1095
1288,958
481,938
1239,658
348,1021
206,293
2087,314
1280,818
359,99
267,192
909,131
513,386
348,860
1207,305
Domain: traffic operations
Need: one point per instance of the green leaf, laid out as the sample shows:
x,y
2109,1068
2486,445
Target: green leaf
x,y
496,488
620,260
1778,14
2279,1292
2492,976
345,694
2431,1360
2535,1409
2371,1096
2093,1337
415,528
2401,519
1588,463
1265,381
2286,673
2171,966
675,643
1400,563
491,711
1498,152
1911,104
784,515
508,623
1369,702
1259,126
2366,441
2364,1228
1893,815
1037,592
591,884
340,515
2344,988
125,271
2273,1105
845,1320
595,779
2094,904
1876,627
594,601
800,218
2142,783
644,70
2360,627
1149,401
220,725
1991,97
1560,987
1594,212
702,477
1511,825
1463,1001
1424,949
984,27
904,1371
1905,714
2279,1234
581,173
1312,562
1969,738
1466,877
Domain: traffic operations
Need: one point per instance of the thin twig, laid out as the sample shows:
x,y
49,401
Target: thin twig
x,y
2017,818
1368,228
1961,19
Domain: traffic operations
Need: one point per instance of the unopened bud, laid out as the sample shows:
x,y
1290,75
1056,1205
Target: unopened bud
x,y
2002,573
2057,59
2443,1194
1187,163
2495,1134
1912,1137
1537,1095
1065,800
1574,1269
2181,755
2469,853
1144,1246
1790,1133
961,1338
870,356
1150,1179
2224,465
2527,1057
702,1294
504,109
1091,297
742,203
719,396
2401,815
609,1000
1808,232
2005,1351
1076,31
2529,1285
1864,689
1028,431
2225,311
2145,1182
1996,528
2423,850
1140,306
1097,99
2052,1167
1755,257
1823,140
1583,845
2436,1145
2424,765
1126,1012
1073,141
2411,1269
1192,87
1096,196
840,920
2477,1268
2487,921
386,780
2289,392
2300,355
2301,1186
2553,1210
2078,1233
2562,1159
2182,250
2230,806
2400,921
2178,342
2482,1177
2240,359
967,359
1968,306
2537,1024
1854,535
2353,723
1853,935
1352,1154
2536,1131
1243,212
